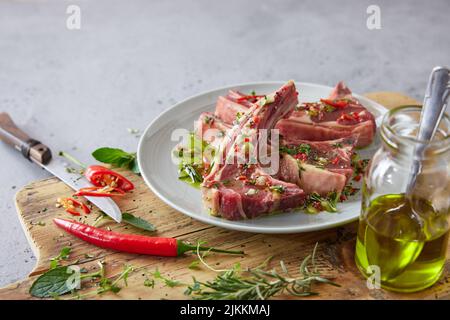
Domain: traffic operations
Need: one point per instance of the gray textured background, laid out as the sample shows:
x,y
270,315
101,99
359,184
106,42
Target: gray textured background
x,y
133,59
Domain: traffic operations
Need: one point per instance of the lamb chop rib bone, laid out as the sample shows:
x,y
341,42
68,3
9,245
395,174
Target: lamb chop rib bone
x,y
225,190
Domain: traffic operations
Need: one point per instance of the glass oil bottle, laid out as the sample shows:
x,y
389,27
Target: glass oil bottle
x,y
405,238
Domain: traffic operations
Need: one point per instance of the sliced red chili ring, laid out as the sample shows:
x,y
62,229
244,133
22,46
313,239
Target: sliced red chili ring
x,y
71,205
335,103
100,176
100,192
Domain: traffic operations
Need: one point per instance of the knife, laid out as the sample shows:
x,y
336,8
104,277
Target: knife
x,y
40,154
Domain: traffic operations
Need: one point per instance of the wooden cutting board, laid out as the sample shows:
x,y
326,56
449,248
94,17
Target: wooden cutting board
x,y
36,209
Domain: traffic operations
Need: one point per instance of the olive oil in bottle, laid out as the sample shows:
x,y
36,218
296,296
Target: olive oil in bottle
x,y
406,239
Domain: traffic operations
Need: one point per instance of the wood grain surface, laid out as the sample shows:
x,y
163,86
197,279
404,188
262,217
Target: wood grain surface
x,y
335,255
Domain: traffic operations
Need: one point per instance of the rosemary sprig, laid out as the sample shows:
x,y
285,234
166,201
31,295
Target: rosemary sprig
x,y
259,284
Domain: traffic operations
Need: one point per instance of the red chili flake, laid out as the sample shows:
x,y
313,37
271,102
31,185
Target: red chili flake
x,y
301,156
352,116
317,205
242,178
343,197
345,116
355,115
251,98
247,140
357,178
256,119
335,161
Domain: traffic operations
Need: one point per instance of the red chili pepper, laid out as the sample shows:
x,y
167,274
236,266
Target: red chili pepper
x,y
100,192
340,104
100,176
131,243
71,205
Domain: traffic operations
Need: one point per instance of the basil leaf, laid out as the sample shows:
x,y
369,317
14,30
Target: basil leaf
x,y
109,155
52,283
117,157
137,222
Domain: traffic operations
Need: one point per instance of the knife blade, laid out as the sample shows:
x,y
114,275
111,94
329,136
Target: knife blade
x,y
40,154
59,169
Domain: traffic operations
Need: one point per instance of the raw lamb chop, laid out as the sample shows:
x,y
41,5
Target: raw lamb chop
x,y
239,191
325,165
339,116
317,166
211,129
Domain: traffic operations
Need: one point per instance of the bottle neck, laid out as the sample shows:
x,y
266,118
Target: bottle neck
x,y
399,130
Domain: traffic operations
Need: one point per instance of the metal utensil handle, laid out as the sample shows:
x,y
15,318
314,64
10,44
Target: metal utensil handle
x,y
434,105
435,102
30,148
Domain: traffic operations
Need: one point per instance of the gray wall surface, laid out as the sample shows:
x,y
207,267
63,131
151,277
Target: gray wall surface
x,y
81,89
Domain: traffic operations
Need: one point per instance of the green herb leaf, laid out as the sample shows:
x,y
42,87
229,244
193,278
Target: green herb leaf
x,y
117,157
260,284
194,264
137,222
279,189
149,283
327,203
167,281
111,155
106,284
293,150
63,255
52,283
189,171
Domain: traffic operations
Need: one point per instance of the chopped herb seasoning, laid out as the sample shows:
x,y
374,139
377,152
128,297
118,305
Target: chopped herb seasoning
x,y
293,150
208,120
251,192
279,189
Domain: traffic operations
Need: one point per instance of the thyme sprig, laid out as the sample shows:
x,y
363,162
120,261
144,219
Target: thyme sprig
x,y
260,284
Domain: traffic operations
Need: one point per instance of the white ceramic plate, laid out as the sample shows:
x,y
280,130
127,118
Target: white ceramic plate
x,y
160,174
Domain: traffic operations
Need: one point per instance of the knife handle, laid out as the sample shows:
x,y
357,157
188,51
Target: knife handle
x,y
30,148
